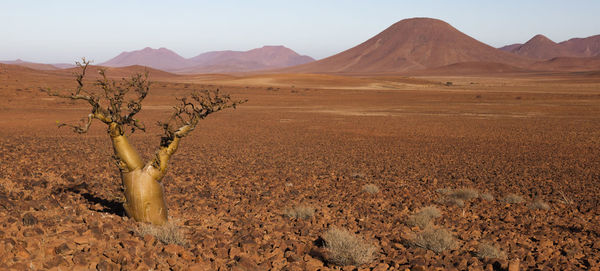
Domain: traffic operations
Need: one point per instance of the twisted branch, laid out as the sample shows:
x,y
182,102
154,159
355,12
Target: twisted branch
x,y
184,120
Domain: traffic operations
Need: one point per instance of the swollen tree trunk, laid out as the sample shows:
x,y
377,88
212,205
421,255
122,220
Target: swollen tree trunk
x,y
144,195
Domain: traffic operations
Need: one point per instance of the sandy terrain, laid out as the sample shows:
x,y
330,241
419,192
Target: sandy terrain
x,y
313,140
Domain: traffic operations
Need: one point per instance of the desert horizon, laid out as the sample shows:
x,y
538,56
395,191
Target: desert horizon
x,y
404,144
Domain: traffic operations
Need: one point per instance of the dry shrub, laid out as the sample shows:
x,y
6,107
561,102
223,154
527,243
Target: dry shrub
x,y
513,198
539,204
454,201
370,188
169,233
434,239
464,194
443,191
346,248
424,217
300,211
486,196
487,250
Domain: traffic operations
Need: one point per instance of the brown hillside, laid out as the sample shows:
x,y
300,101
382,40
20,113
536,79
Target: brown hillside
x,y
266,57
568,64
540,47
411,44
31,65
510,48
586,47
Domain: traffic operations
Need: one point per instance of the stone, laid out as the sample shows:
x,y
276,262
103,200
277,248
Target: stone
x,y
381,267
173,249
64,248
514,265
54,262
245,263
29,219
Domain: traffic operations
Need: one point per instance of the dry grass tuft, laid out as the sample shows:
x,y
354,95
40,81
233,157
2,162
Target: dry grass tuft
x,y
443,191
434,239
465,194
346,248
539,204
300,212
513,198
424,217
168,233
487,250
486,196
370,188
454,201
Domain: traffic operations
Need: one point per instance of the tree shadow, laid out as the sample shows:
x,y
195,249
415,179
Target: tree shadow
x,y
107,206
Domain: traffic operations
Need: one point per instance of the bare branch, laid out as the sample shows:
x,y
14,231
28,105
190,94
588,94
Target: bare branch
x,y
80,129
119,107
184,120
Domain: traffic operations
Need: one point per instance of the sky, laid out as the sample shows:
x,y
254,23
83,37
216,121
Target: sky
x,y
64,31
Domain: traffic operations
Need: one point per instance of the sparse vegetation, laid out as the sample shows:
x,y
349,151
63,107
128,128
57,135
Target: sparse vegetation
x,y
513,198
424,217
464,194
487,250
346,248
539,204
169,233
434,239
486,196
370,188
454,201
300,212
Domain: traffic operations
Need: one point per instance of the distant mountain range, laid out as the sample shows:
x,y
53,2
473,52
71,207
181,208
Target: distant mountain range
x,y
38,66
267,57
410,46
541,47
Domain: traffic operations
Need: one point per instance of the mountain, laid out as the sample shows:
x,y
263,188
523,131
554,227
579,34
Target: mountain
x,y
31,65
541,48
585,47
411,44
509,48
267,57
162,59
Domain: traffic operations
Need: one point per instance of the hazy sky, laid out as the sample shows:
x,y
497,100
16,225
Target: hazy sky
x,y
63,31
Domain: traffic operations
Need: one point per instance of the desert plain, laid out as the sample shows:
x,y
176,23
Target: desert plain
x,y
314,141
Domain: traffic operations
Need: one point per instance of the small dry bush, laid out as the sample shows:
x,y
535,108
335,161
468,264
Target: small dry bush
x,y
539,204
464,194
487,250
443,191
346,248
169,233
454,201
423,217
370,188
513,198
300,212
434,239
486,196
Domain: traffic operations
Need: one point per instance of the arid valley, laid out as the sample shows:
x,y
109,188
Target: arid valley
x,y
504,147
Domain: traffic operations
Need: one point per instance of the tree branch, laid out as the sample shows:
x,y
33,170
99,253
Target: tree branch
x,y
185,117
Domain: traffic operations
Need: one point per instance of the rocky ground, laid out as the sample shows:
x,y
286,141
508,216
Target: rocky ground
x,y
233,180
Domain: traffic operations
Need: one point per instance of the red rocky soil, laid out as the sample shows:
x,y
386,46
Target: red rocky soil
x,y
231,180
